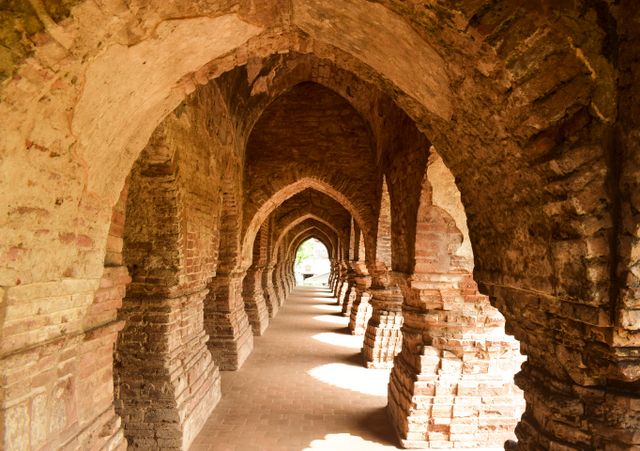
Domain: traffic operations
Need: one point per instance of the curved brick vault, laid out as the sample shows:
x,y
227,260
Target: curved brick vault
x,y
149,151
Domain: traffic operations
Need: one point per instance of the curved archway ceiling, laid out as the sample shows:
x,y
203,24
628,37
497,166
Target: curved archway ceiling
x,y
310,205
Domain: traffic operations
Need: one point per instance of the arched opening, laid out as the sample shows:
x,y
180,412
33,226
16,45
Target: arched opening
x,y
532,109
312,265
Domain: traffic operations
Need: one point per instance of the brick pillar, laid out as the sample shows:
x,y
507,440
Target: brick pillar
x,y
165,379
292,280
278,283
564,415
580,379
332,273
452,383
336,277
288,278
342,283
349,294
269,293
361,308
254,302
226,321
383,336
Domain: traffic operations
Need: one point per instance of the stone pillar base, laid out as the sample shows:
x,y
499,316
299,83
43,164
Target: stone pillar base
x,y
383,336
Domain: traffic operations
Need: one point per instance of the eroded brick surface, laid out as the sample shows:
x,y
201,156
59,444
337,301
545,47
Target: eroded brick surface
x,y
162,161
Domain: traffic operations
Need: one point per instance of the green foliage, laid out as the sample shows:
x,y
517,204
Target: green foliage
x,y
306,250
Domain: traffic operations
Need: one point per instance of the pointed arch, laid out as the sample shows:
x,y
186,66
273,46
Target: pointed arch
x,y
285,193
300,220
383,235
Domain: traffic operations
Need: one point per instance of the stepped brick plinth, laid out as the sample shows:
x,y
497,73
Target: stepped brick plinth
x,y
340,285
452,383
360,308
166,383
349,289
383,336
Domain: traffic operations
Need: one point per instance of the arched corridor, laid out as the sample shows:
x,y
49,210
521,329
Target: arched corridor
x,y
471,166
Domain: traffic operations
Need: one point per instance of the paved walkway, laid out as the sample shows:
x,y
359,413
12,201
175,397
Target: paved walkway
x,y
303,387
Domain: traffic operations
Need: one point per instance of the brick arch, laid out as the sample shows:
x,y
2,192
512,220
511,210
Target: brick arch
x,y
171,78
312,232
547,133
278,73
329,233
287,192
302,218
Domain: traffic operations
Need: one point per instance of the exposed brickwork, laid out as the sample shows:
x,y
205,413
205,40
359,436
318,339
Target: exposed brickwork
x,y
360,311
456,365
171,255
253,291
383,337
533,107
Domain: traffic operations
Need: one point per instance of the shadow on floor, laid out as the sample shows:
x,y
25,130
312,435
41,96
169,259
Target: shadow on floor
x,y
353,359
296,391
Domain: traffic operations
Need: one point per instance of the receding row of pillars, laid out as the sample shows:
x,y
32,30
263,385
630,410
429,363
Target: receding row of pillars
x,y
373,304
452,364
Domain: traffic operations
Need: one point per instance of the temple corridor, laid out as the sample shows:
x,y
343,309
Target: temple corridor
x,y
304,386
471,169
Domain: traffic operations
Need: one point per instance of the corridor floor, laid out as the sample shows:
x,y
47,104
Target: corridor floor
x,y
303,387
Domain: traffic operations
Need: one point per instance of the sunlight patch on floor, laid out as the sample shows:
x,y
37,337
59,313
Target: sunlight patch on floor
x,y
344,441
341,340
326,307
358,379
332,319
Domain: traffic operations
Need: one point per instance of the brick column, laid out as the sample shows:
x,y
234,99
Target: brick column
x,y
349,294
289,278
340,283
269,293
336,277
581,387
332,274
278,283
452,383
360,309
383,336
562,414
226,321
166,381
254,302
